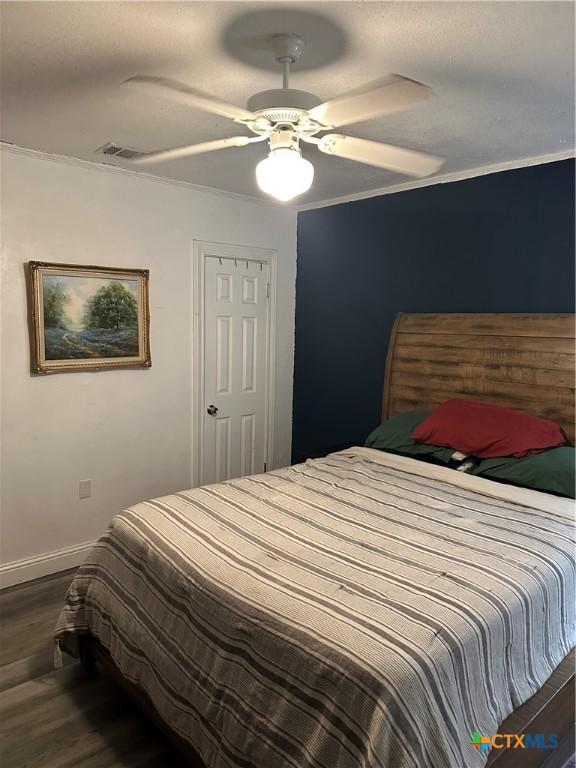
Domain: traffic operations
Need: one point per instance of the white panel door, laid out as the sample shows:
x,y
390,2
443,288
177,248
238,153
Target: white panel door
x,y
236,328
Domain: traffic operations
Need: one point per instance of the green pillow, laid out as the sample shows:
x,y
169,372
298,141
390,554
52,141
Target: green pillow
x,y
552,471
393,436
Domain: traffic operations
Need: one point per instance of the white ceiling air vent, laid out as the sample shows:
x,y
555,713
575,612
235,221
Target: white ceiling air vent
x,y
115,150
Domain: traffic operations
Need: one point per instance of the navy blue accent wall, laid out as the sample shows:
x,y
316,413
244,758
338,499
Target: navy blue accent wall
x,y
497,243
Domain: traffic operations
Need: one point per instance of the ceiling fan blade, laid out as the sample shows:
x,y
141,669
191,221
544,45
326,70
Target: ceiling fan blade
x,y
390,94
165,86
192,149
397,159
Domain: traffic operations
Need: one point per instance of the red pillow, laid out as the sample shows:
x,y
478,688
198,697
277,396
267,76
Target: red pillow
x,y
487,431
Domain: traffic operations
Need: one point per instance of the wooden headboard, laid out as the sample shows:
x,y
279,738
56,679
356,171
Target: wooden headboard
x,y
517,360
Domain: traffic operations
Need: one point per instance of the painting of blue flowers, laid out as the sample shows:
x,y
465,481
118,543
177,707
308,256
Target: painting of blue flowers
x,y
88,317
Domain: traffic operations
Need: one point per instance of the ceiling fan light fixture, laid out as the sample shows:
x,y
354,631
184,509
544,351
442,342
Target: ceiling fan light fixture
x,y
284,174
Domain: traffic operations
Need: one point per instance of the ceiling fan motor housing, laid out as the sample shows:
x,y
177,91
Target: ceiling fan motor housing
x,y
282,105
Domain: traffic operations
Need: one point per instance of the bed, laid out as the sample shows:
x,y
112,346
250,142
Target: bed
x,y
361,610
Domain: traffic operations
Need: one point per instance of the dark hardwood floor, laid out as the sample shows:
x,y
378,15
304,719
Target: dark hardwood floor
x,y
62,718
65,719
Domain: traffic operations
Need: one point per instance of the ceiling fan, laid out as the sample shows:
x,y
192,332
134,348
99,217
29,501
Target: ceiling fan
x,y
286,116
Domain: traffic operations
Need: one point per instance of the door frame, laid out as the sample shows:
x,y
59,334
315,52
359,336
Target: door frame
x,y
200,251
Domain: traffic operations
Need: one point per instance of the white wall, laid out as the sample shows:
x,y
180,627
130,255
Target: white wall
x,y
128,431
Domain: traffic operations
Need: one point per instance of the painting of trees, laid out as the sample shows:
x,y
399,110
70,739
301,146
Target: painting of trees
x,y
88,318
112,307
54,298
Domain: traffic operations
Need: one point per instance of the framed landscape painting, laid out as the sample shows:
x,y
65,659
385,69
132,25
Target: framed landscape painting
x,y
88,318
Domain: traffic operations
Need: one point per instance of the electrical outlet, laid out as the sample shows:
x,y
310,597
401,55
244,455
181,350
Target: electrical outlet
x,y
85,489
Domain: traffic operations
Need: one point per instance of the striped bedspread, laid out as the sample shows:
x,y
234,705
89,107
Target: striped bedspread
x,y
357,611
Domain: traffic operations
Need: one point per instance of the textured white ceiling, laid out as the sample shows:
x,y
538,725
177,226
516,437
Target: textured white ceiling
x,y
503,73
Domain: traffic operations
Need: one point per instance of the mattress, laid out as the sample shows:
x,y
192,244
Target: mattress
x,y
360,611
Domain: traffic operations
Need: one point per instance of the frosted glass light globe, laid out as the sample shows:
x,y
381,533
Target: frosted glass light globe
x,y
284,174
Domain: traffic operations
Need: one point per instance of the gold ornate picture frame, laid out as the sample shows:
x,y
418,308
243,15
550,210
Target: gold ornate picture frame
x,y
87,318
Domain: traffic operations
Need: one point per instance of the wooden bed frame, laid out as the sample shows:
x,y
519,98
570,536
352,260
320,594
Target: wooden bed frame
x,y
524,361
517,360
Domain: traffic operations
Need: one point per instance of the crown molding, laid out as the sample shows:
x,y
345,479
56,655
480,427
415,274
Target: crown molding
x,y
116,169
470,173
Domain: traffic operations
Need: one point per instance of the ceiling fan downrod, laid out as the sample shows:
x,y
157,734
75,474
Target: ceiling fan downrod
x,y
287,48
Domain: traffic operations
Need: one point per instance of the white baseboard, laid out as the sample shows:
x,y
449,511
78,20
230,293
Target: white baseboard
x,y
42,565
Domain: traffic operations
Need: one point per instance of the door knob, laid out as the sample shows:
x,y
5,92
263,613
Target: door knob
x,y
212,410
